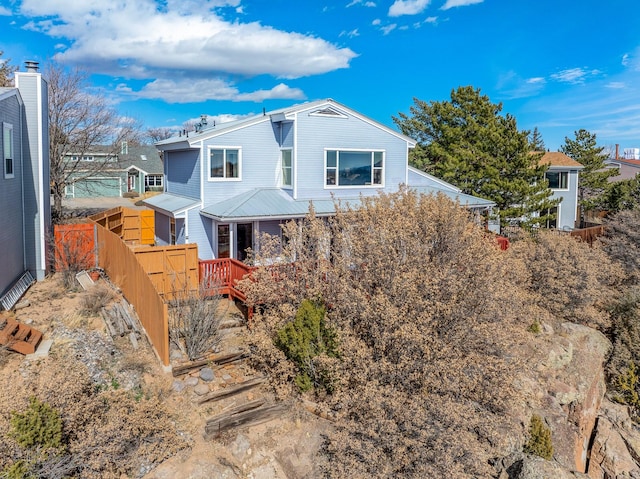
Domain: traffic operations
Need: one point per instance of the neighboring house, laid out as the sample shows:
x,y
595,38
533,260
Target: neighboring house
x,y
228,183
627,168
563,177
105,172
25,212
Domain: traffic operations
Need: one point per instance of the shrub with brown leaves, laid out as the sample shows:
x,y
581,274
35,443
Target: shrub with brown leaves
x,y
426,309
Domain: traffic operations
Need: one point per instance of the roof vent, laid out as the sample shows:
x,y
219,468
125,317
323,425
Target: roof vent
x,y
31,66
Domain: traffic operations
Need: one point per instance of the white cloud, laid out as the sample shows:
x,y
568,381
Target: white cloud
x,y
512,86
571,75
361,2
407,7
388,28
4,11
376,22
616,85
536,80
353,33
196,91
189,36
459,3
625,59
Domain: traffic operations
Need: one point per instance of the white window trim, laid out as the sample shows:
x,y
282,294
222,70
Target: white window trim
x,y
8,126
155,177
559,172
282,184
225,148
347,187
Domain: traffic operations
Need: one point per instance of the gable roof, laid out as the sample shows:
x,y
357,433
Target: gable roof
x,y
559,159
319,107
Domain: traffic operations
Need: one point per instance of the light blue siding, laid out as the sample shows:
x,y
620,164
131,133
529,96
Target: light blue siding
x,y
260,161
316,133
37,207
163,229
183,172
12,259
201,233
568,207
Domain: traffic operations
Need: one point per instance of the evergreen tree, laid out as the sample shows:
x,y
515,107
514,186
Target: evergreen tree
x,y
593,183
536,143
467,142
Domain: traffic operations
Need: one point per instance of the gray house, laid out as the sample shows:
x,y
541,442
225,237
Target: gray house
x,y
563,176
25,213
109,171
226,184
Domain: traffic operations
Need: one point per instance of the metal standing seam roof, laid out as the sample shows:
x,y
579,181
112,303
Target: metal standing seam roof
x,y
270,202
171,203
275,203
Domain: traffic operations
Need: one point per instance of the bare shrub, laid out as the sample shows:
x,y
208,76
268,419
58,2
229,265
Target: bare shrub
x,y
105,432
427,313
622,243
194,323
95,298
570,279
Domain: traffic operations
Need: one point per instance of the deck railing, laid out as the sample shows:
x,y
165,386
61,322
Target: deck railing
x,y
221,276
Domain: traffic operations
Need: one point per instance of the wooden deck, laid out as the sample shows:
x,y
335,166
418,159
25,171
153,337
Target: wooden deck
x,y
221,276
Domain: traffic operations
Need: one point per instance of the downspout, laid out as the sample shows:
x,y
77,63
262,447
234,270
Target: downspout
x,y
24,229
41,190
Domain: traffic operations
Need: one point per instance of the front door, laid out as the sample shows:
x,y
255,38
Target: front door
x,y
244,239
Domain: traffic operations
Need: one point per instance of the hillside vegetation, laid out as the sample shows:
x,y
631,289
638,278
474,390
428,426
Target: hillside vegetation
x,y
429,318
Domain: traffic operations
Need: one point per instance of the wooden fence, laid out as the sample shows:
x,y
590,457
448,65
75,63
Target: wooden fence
x,y
132,226
173,270
75,246
121,265
221,276
588,234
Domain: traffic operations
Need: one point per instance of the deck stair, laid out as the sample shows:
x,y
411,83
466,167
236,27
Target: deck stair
x,y
18,337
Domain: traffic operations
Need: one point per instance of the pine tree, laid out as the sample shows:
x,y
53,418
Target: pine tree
x,y
593,184
536,143
467,142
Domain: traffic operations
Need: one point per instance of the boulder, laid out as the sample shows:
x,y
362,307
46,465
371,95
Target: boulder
x,y
610,457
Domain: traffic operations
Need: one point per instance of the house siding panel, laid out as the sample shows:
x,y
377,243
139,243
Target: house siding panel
x,y
11,220
162,229
201,233
183,173
260,162
33,90
315,133
568,207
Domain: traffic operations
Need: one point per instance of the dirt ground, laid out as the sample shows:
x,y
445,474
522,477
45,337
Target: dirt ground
x,y
285,448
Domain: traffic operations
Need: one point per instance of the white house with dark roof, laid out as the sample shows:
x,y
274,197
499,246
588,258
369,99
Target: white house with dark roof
x,y
227,183
25,212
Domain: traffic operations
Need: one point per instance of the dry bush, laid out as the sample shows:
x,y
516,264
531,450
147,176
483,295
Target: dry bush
x,y
427,311
95,298
570,279
194,323
106,433
622,243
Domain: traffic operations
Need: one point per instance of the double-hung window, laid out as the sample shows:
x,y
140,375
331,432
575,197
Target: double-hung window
x,y
558,180
286,168
224,163
354,168
7,150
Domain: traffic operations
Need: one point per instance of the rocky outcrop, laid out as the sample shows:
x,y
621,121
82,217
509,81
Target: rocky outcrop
x,y
573,376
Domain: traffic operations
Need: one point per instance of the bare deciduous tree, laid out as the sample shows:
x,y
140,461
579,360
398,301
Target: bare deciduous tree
x,y
158,134
6,71
79,120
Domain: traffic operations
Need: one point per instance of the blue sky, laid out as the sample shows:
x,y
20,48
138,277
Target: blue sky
x,y
557,65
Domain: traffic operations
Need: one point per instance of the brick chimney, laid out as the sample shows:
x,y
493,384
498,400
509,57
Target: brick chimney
x,y
617,150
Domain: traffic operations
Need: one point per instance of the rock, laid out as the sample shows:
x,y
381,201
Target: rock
x,y
201,389
178,386
175,355
610,454
206,374
191,381
241,448
534,467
